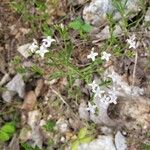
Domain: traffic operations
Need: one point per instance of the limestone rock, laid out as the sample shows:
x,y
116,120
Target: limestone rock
x,y
15,86
102,143
24,50
120,141
96,12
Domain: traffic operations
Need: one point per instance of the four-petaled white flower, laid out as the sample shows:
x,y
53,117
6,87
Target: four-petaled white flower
x,y
98,92
47,42
34,46
113,97
93,85
105,99
132,43
91,108
92,55
105,56
42,51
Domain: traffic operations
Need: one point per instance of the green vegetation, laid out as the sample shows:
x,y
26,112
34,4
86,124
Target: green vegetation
x,y
80,26
50,125
7,131
84,136
26,146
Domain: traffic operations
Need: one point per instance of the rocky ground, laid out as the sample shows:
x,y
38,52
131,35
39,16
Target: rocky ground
x,y
49,103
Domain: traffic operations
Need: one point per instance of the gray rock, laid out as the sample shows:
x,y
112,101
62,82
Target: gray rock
x,y
83,113
14,144
147,19
24,50
105,130
102,143
96,12
102,117
105,33
15,86
147,16
120,141
37,137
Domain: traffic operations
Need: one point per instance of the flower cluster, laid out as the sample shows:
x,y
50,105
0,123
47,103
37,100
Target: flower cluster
x,y
132,42
105,97
42,49
105,56
100,94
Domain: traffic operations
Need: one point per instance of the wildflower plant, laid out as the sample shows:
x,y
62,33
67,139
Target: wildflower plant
x,y
81,27
101,93
105,56
46,43
106,96
92,55
132,42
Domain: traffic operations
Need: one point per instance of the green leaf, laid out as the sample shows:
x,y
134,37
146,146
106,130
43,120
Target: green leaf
x,y
69,50
76,24
4,136
47,31
74,145
50,125
86,139
21,70
26,146
145,147
82,133
37,70
8,128
86,27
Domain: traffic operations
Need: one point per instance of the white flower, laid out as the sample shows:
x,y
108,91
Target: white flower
x,y
93,85
91,108
34,46
113,97
42,51
99,92
132,43
47,42
92,55
105,99
105,56
62,26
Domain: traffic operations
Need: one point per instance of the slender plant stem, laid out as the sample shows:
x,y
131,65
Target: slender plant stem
x,y
134,69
